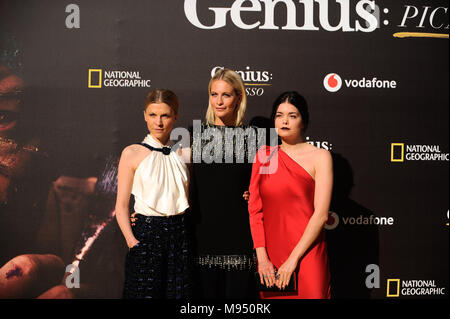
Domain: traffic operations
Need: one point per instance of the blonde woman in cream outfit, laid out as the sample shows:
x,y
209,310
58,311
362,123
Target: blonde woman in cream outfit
x,y
157,264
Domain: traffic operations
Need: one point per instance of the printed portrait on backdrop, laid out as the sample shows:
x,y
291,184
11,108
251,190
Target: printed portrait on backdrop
x,y
73,80
50,224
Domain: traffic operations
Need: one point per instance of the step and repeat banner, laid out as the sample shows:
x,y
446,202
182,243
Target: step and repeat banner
x,y
73,80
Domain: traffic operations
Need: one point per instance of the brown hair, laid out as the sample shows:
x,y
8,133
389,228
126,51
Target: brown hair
x,y
163,96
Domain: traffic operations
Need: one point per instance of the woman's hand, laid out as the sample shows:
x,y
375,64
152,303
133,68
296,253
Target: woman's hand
x,y
266,272
133,219
133,243
246,195
284,273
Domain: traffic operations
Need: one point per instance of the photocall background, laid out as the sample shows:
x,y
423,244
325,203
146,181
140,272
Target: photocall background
x,y
83,129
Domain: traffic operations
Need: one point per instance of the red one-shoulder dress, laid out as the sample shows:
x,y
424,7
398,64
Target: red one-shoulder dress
x,y
280,205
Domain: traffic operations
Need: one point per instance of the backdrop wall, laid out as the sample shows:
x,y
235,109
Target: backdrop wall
x,y
374,73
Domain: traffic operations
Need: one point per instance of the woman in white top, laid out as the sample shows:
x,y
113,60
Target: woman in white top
x,y
158,262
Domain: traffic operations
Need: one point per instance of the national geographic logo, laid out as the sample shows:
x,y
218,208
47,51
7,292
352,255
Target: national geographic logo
x,y
98,78
401,152
398,287
95,78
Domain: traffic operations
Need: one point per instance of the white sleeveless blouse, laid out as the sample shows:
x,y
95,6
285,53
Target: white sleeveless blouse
x,y
161,183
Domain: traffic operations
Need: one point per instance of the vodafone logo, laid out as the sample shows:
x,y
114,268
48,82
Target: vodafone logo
x,y
332,82
332,222
362,220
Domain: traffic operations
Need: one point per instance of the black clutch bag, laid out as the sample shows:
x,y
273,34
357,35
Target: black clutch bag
x,y
291,287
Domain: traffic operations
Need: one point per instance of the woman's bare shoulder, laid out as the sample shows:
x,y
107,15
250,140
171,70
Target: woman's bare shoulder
x,y
322,156
315,151
133,154
133,150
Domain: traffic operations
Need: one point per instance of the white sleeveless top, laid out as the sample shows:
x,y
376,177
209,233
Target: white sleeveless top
x,y
160,184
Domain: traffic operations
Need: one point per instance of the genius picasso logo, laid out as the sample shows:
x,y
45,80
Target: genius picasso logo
x,y
255,81
430,21
98,78
300,15
314,15
401,152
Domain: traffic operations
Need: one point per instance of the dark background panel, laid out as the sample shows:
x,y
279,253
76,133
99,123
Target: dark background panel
x,y
82,128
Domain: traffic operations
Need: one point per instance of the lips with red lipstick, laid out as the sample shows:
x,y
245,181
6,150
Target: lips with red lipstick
x,y
8,120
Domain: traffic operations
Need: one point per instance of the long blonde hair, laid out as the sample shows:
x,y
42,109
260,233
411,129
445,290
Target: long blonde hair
x,y
234,79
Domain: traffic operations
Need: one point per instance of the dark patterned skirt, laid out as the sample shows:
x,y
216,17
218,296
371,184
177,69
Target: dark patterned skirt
x,y
160,266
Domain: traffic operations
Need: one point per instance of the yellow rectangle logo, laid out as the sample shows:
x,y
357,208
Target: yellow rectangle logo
x,y
395,147
389,291
95,78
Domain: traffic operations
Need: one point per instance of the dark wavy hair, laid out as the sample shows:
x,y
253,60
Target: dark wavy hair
x,y
297,100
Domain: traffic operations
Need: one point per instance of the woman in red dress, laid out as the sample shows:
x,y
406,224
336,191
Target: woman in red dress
x,y
290,193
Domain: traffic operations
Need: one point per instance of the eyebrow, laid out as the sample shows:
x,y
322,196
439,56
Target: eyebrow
x,y
226,92
279,112
153,113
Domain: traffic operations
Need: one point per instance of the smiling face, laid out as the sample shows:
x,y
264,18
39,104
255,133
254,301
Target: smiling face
x,y
11,87
288,121
160,119
224,102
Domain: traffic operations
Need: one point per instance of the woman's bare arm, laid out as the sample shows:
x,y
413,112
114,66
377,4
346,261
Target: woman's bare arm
x,y
125,182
